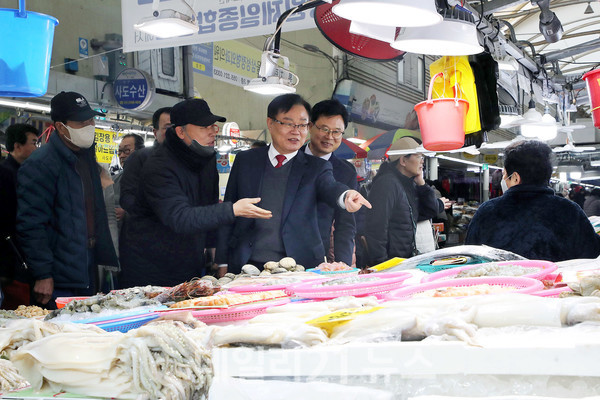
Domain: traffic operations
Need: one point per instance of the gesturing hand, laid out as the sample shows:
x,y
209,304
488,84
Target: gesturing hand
x,y
447,203
354,201
246,208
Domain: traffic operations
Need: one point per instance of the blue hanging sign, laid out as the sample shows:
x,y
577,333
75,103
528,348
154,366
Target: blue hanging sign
x,y
133,89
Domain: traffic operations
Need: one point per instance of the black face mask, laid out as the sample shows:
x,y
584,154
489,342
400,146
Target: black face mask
x,y
202,151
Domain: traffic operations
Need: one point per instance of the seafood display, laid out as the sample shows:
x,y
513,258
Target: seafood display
x,y
230,299
10,379
31,311
461,255
334,266
286,264
119,300
157,361
188,290
496,270
473,290
348,281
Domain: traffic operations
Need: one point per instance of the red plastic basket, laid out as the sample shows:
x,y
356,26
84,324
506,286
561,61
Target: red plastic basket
x,y
517,285
63,301
539,268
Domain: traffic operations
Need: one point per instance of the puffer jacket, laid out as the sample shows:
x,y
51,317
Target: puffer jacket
x,y
398,204
51,219
591,206
176,211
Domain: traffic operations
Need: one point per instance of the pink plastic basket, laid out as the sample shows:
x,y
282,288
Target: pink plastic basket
x,y
517,285
539,268
263,287
555,292
384,284
236,313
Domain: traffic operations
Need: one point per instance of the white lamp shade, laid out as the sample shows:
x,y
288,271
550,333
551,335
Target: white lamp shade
x,y
448,38
379,32
167,27
389,12
271,86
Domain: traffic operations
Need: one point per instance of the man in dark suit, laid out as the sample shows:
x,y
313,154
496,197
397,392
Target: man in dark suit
x,y
329,119
290,184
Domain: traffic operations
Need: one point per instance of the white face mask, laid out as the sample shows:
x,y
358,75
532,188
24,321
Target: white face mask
x,y
82,137
504,185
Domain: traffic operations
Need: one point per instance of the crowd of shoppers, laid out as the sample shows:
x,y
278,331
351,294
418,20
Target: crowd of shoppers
x,y
292,197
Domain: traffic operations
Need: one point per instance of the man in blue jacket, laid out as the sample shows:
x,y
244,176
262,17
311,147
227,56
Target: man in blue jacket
x,y
62,225
329,119
290,184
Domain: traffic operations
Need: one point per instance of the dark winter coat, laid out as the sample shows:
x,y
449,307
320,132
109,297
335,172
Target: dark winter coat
x,y
176,207
51,217
592,206
534,223
398,204
8,216
345,225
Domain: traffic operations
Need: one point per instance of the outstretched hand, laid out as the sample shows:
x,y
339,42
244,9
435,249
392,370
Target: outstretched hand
x,y
246,208
354,201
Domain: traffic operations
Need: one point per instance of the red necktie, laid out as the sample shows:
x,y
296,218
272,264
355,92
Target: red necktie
x,y
280,159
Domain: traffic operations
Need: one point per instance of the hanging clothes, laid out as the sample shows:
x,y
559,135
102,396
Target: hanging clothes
x,y
459,81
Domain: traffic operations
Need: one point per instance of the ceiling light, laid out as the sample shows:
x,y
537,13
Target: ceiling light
x,y
536,125
589,9
590,175
456,35
562,176
273,79
168,24
389,12
149,143
25,105
509,116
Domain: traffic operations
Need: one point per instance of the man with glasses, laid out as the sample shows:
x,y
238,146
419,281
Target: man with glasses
x,y
177,207
130,177
129,144
289,184
329,120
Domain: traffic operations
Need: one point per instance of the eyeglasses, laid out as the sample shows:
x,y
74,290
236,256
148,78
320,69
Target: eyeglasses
x,y
290,126
124,151
336,133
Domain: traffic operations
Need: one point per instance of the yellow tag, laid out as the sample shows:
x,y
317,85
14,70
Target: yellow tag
x,y
387,264
340,317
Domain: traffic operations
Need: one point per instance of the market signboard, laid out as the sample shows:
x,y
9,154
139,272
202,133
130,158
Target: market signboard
x,y
217,20
105,146
227,61
133,89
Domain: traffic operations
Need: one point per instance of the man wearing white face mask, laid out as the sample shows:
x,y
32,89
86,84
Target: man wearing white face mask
x,y
529,219
61,220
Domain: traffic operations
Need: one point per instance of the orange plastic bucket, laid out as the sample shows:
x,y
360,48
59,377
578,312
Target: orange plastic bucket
x,y
442,121
592,81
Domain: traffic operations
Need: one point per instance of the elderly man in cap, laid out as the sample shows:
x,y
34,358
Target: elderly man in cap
x,y
177,206
62,225
400,199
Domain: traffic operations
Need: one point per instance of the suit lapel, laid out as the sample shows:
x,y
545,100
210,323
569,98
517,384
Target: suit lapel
x,y
293,183
256,171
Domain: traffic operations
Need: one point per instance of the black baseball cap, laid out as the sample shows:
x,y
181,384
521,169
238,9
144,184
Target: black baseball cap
x,y
195,112
71,106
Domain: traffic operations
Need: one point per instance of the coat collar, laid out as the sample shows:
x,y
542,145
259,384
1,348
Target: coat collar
x,y
66,153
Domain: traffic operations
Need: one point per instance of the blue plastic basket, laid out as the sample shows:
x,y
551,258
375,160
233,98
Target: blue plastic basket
x,y
126,324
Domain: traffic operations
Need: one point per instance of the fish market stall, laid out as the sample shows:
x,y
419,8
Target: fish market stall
x,y
494,326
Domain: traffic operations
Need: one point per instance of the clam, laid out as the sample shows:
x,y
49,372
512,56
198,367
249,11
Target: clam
x,y
210,278
265,272
300,268
271,265
224,281
279,270
287,263
250,270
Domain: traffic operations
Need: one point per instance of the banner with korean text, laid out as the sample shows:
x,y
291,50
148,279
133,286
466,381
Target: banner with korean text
x,y
217,20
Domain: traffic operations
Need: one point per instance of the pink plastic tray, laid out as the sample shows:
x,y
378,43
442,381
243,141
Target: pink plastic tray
x,y
382,285
263,287
237,313
544,268
520,285
552,292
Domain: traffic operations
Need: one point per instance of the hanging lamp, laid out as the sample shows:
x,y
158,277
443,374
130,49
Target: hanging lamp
x,y
389,12
456,35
